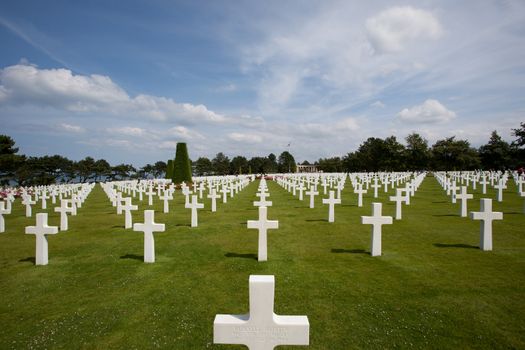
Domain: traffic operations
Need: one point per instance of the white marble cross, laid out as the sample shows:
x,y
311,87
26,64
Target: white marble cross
x,y
166,196
500,187
194,205
312,193
263,225
3,211
28,202
150,195
331,201
148,227
301,189
63,210
398,198
486,215
376,220
261,328
40,231
360,191
213,196
224,191
127,208
463,196
375,186
484,184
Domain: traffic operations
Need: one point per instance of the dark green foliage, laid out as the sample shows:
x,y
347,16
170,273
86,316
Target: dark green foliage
x,y
417,152
159,168
496,154
221,164
286,163
452,154
169,169
330,165
239,165
203,166
181,165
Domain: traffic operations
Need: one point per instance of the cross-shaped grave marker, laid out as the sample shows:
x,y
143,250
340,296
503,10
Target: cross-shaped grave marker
x,y
398,198
376,220
261,328
360,191
28,202
194,205
463,196
63,210
312,193
486,215
213,196
148,227
331,201
40,231
263,225
3,211
127,208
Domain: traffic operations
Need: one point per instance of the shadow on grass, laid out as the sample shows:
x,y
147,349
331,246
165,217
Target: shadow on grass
x,y
253,208
183,225
457,245
512,213
316,220
117,226
349,205
238,255
133,256
351,251
442,215
30,259
439,202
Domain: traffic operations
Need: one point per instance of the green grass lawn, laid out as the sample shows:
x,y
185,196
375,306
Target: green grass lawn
x,y
431,288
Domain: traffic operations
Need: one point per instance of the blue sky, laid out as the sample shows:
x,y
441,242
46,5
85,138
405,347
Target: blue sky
x,y
125,81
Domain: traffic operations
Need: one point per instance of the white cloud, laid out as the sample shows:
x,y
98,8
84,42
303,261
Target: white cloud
x,y
128,131
244,137
392,29
71,128
60,88
431,111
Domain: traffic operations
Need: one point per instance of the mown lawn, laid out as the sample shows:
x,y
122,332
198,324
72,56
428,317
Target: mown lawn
x,y
431,288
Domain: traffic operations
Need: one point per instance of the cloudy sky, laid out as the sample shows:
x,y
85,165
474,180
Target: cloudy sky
x,y
126,81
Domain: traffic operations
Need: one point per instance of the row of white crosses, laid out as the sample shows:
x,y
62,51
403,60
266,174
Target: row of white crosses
x,y
42,229
486,215
165,192
261,328
263,224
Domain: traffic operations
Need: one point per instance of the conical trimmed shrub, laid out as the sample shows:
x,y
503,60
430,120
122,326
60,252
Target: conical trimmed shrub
x,y
169,169
181,165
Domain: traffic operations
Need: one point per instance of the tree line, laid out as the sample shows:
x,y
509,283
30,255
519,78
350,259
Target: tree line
x,y
374,154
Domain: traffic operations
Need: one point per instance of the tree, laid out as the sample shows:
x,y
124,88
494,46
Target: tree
x,y
203,166
272,163
221,164
256,165
169,169
496,154
417,152
451,154
286,163
330,165
122,172
520,134
9,160
181,164
239,165
159,168
85,168
102,169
